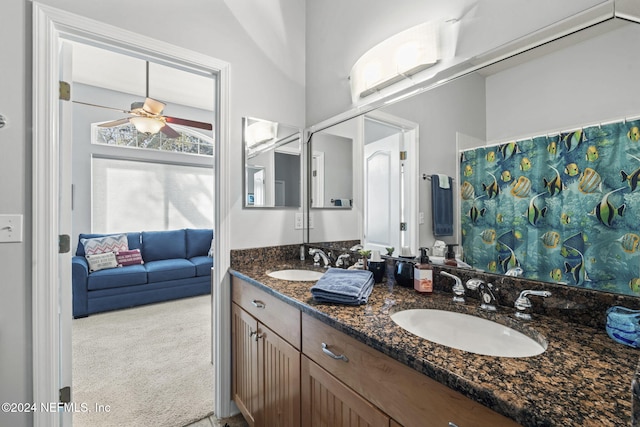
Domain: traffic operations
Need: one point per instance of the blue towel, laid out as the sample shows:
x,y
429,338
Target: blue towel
x,y
351,287
441,207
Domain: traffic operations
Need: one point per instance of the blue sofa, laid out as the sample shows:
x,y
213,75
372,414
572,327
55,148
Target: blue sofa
x,y
176,265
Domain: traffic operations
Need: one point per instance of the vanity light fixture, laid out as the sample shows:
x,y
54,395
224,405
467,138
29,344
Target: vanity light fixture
x,y
259,132
395,59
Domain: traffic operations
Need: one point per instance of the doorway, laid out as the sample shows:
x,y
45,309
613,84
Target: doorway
x,y
390,187
124,180
51,27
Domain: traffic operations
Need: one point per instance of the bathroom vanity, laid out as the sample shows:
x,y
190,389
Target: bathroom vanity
x,y
341,360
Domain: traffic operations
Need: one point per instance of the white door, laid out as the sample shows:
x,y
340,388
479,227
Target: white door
x,y
382,194
317,180
64,228
258,188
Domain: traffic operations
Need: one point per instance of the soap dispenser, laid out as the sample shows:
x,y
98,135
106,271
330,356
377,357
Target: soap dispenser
x,y
450,257
423,273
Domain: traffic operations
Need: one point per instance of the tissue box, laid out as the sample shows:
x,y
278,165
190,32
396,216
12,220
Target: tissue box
x,y
623,325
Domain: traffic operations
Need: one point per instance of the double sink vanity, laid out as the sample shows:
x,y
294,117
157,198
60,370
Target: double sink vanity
x,y
358,360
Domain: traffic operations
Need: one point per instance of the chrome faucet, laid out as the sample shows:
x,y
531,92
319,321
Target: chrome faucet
x,y
523,303
342,260
356,247
514,272
486,293
317,254
458,288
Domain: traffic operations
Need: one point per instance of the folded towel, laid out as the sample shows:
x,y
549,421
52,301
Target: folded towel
x,y
443,181
351,287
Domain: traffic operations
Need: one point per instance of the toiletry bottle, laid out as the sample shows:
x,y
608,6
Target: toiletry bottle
x,y
450,257
423,273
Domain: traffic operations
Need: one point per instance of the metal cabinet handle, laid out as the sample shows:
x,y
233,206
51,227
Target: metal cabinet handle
x,y
255,334
452,424
258,303
331,354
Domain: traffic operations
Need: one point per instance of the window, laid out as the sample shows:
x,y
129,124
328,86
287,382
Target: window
x,y
127,135
130,195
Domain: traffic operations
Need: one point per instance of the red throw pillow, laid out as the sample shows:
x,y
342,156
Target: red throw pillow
x,y
131,257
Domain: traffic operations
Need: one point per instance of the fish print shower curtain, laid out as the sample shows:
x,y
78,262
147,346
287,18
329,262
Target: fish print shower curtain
x,y
563,208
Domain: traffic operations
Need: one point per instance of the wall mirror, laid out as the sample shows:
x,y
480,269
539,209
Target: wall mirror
x,y
510,100
272,164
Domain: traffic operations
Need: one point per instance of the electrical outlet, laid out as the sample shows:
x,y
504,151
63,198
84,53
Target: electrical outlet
x,y
299,221
421,218
310,220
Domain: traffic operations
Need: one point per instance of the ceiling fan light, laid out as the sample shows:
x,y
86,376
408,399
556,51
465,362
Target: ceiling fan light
x,y
147,125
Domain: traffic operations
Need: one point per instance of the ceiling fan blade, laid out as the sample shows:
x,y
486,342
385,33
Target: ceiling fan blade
x,y
170,132
114,123
190,123
102,106
153,106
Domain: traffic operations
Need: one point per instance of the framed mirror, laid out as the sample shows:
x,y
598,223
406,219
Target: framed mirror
x,y
272,162
520,98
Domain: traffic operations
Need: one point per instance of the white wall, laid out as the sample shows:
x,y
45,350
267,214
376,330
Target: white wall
x,y
15,198
339,32
589,83
264,43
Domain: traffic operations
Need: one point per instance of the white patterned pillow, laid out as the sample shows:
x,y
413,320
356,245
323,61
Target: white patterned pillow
x,y
100,245
101,261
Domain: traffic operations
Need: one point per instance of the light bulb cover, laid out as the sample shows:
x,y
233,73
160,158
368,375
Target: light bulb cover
x,y
147,125
395,59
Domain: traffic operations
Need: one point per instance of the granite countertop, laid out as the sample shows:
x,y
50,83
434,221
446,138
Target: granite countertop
x,y
583,378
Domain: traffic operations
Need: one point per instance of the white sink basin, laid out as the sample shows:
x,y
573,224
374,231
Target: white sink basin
x,y
468,333
296,275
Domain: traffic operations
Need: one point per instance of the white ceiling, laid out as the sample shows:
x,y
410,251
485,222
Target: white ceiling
x,y
110,70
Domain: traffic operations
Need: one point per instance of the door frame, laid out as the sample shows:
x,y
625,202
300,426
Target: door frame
x,y
411,140
50,27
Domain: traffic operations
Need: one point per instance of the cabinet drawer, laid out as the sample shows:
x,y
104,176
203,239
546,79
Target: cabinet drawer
x,y
406,395
281,317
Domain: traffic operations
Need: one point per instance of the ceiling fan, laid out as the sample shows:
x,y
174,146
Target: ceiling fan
x,y
147,116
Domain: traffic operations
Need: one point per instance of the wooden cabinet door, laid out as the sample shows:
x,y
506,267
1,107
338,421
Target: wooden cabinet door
x,y
279,381
245,370
327,402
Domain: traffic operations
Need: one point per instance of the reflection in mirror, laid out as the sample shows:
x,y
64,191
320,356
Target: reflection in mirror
x,y
331,169
382,157
272,163
518,99
390,184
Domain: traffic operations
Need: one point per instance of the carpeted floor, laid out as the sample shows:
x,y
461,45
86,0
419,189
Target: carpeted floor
x,y
149,366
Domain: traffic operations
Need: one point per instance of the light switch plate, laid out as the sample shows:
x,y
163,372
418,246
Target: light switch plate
x,y
299,221
10,228
421,218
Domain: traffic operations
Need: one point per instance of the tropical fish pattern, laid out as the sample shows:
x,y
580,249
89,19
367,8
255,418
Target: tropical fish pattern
x,y
522,187
467,191
550,239
629,242
590,181
555,184
492,189
563,208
